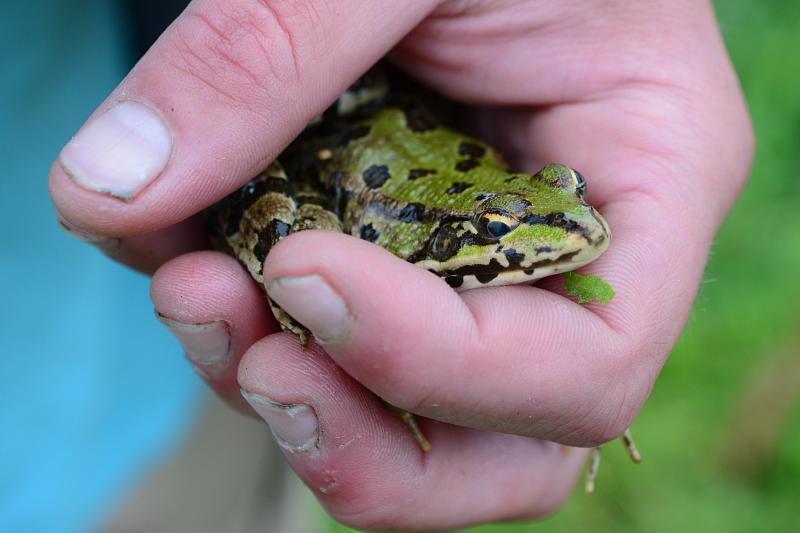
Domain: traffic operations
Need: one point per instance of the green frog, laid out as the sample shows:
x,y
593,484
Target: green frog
x,y
380,166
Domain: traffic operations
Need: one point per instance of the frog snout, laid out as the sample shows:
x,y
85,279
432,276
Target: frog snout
x,y
600,231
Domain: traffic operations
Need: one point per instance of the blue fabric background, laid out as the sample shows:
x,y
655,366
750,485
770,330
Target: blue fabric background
x,y
93,389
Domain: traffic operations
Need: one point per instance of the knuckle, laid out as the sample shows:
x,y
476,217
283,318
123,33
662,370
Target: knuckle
x,y
359,502
243,44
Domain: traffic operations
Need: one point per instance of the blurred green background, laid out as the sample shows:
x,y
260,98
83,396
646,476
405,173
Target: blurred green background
x,y
720,434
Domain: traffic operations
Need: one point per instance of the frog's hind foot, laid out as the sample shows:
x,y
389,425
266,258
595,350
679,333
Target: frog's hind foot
x,y
411,423
416,432
630,446
289,324
591,473
594,459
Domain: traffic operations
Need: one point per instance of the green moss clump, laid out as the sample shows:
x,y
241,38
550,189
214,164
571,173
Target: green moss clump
x,y
588,288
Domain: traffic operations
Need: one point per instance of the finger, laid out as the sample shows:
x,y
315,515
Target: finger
x,y
514,359
366,470
216,311
690,148
216,98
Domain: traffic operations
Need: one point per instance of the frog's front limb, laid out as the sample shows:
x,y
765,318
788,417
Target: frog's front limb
x,y
274,208
308,215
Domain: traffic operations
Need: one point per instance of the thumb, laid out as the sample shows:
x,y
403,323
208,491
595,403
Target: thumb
x,y
219,95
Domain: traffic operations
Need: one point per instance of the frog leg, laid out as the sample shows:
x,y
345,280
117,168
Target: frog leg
x,y
411,423
594,459
251,221
630,446
267,209
308,215
591,473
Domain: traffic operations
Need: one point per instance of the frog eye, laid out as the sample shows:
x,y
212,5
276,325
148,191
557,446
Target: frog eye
x,y
494,224
580,184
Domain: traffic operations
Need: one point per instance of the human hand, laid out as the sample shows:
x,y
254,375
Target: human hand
x,y
640,97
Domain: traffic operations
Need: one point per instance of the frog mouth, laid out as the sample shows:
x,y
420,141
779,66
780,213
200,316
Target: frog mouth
x,y
516,270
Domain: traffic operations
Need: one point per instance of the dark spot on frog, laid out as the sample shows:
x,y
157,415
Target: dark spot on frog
x,y
472,150
514,257
416,173
417,120
466,165
454,281
341,195
376,175
412,212
486,277
458,187
267,237
445,243
481,197
368,233
353,134
239,202
543,250
528,271
512,178
258,187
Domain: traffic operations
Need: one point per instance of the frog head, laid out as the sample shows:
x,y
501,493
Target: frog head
x,y
540,225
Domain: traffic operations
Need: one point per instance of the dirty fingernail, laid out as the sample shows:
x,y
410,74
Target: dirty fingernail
x,y
294,426
313,303
207,345
120,152
108,245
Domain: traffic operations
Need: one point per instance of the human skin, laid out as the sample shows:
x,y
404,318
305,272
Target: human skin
x,y
639,96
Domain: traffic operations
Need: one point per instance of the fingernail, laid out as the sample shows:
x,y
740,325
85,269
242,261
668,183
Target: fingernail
x,y
312,302
294,426
120,152
207,345
108,245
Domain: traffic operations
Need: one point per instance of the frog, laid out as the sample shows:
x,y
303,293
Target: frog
x,y
379,165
